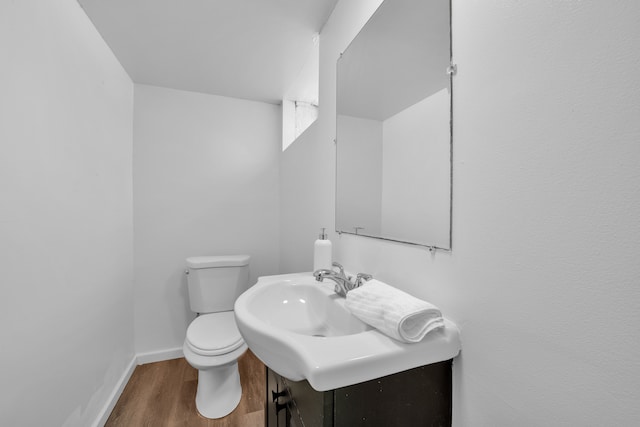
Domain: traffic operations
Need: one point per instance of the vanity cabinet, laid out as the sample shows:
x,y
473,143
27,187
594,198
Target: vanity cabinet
x,y
417,397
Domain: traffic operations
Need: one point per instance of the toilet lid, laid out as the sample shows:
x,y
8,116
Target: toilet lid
x,y
214,334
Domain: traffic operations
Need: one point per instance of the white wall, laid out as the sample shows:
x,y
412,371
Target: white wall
x,y
543,276
307,167
206,183
66,311
307,179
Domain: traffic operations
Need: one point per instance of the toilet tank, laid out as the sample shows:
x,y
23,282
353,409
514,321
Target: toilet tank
x,y
215,282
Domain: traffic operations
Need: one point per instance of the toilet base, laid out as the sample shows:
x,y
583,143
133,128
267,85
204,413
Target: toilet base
x,y
219,390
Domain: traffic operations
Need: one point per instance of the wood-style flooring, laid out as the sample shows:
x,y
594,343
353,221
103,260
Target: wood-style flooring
x,y
163,394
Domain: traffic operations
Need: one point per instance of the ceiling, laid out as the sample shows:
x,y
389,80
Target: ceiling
x,y
251,49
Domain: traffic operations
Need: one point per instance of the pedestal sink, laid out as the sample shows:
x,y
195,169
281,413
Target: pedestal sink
x,y
302,330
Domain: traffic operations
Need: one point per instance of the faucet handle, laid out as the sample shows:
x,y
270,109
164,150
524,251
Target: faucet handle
x,y
361,278
339,266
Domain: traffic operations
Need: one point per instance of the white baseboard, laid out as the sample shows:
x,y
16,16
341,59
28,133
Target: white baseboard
x,y
159,356
139,359
103,416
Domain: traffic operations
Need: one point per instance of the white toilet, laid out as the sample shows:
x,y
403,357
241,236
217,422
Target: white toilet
x,y
213,343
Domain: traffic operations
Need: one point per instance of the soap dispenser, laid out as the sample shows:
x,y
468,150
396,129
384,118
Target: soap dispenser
x,y
322,252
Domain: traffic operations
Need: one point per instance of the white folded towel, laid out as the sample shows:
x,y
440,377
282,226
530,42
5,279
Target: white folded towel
x,y
394,312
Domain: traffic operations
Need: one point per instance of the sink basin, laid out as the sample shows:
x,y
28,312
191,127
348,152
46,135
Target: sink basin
x,y
303,307
302,330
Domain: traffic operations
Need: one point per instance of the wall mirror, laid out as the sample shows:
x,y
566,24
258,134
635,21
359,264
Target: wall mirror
x,y
393,136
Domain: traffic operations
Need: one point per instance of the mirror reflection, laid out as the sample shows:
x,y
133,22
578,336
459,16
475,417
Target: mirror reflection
x,y
393,133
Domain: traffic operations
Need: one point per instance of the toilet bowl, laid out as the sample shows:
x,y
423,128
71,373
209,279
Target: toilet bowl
x,y
213,345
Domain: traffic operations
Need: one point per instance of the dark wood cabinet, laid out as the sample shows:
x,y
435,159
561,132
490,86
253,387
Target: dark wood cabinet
x,y
278,413
417,397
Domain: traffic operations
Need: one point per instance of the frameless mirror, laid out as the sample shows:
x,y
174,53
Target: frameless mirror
x,y
393,131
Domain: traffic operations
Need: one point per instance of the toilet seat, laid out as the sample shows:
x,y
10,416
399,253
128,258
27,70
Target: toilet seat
x,y
214,334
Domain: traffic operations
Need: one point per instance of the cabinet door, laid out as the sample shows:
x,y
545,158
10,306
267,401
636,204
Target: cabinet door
x,y
418,397
314,408
278,401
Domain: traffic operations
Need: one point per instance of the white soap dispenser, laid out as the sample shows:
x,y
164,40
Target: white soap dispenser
x,y
322,252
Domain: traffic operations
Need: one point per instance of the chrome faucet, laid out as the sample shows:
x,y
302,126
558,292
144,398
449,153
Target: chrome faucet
x,y
343,283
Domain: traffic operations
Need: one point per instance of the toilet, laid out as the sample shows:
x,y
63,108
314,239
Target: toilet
x,y
213,343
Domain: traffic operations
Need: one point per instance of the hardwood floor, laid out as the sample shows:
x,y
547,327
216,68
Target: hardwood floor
x,y
163,394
